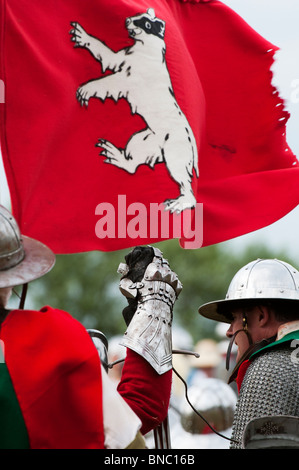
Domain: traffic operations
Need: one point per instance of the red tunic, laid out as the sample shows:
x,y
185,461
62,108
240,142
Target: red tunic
x,y
56,375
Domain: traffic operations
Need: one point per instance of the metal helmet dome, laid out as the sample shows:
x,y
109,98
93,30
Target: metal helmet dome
x,y
263,279
214,400
22,259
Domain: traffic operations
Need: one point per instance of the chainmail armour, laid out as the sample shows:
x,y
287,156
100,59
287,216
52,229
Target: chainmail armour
x,y
270,387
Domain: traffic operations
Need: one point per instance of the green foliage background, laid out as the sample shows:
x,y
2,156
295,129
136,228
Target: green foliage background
x,y
86,284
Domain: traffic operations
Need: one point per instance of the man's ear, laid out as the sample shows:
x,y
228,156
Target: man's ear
x,y
263,315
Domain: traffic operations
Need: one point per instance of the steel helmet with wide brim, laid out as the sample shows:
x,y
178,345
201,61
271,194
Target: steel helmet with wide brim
x,y
22,259
262,279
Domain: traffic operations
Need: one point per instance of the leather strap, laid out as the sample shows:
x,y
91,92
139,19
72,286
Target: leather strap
x,y
245,330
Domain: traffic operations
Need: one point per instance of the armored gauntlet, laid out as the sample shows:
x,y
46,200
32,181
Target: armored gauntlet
x,y
152,298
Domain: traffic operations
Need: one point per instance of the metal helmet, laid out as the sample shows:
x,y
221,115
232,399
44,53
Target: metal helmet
x,y
262,279
214,400
22,259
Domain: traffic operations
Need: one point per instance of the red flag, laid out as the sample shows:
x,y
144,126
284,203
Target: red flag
x,y
161,113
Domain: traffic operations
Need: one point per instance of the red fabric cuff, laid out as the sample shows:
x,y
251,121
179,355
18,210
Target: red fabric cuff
x,y
145,391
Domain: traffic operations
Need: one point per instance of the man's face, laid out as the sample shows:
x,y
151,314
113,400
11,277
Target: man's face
x,y
261,324
241,340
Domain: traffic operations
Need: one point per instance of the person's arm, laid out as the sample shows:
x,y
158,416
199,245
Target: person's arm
x,y
151,289
145,391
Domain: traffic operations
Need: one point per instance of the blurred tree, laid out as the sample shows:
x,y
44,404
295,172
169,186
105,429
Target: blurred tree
x,y
86,284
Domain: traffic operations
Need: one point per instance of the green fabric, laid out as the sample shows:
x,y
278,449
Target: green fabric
x,y
13,433
287,338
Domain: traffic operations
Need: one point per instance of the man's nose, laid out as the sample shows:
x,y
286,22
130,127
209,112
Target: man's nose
x,y
229,332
